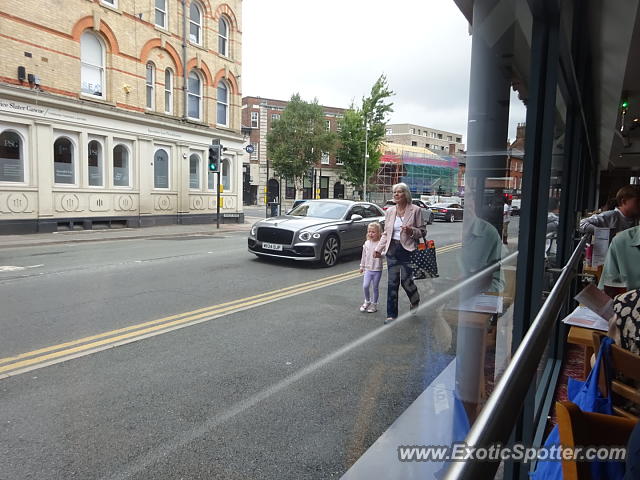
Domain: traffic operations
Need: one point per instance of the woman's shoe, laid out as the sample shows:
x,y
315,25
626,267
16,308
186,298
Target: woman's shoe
x,y
373,308
364,306
388,320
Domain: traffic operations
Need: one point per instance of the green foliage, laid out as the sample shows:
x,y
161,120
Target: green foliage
x,y
296,140
351,152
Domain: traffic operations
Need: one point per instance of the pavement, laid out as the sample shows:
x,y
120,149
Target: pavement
x,y
81,236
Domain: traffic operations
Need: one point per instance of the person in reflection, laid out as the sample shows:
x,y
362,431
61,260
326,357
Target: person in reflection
x,y
624,216
403,227
622,264
506,218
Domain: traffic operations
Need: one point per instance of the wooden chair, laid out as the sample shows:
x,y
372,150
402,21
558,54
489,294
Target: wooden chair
x,y
625,368
578,428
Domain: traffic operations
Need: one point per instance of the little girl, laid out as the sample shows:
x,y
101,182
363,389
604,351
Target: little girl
x,y
372,268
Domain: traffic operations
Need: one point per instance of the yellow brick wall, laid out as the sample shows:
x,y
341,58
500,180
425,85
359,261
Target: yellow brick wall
x,y
46,31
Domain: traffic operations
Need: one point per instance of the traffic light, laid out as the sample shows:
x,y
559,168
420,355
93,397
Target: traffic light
x,y
214,156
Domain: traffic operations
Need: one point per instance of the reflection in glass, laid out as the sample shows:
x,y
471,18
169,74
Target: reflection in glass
x,y
94,159
63,161
120,166
11,164
161,169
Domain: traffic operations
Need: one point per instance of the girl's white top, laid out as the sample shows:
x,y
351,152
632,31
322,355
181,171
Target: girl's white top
x,y
368,262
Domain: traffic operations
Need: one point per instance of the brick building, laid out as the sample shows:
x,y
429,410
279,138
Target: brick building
x,y
96,125
257,115
515,161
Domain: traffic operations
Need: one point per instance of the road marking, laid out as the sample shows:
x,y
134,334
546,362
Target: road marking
x,y
85,346
12,268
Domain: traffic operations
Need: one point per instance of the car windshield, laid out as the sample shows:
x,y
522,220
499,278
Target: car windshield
x,y
331,210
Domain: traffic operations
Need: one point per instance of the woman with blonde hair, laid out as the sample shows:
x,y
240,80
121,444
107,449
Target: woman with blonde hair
x,y
403,227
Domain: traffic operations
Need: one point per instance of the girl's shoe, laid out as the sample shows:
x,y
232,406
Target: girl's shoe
x,y
373,308
364,306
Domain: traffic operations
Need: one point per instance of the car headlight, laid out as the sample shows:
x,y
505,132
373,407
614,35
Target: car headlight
x,y
304,236
254,229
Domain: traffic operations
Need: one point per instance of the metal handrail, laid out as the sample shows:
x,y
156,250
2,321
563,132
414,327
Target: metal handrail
x,y
496,420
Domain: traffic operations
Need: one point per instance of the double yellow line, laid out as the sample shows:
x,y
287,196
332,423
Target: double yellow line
x,y
65,351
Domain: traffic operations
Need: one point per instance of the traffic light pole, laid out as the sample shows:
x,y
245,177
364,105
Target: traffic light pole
x,y
218,199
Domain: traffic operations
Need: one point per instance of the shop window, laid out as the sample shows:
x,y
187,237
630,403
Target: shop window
x,y
161,169
11,157
94,161
121,166
63,161
194,171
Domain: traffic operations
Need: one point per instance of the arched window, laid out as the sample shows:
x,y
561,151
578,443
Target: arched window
x,y
226,174
94,161
92,68
195,23
161,169
168,91
150,82
223,36
121,166
194,171
194,100
11,157
222,104
63,161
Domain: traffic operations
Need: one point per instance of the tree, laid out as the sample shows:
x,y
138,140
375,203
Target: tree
x,y
298,139
373,112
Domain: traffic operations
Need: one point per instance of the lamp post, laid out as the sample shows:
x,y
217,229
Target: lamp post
x,y
366,156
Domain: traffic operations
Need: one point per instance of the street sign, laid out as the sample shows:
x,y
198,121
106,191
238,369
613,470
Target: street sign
x,y
250,149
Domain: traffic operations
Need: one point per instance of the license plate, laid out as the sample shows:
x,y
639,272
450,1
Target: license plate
x,y
272,246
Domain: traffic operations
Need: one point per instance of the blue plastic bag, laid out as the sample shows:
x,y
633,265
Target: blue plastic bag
x,y
585,395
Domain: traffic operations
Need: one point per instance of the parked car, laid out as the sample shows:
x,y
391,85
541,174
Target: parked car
x,y
427,213
449,212
316,231
515,206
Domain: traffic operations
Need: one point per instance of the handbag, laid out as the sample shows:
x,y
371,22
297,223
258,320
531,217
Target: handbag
x,y
423,260
587,396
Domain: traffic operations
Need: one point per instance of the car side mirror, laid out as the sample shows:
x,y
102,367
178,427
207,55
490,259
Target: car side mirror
x,y
355,217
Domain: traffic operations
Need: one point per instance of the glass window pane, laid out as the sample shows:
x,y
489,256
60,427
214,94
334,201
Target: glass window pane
x,y
90,49
194,33
226,180
63,161
149,73
222,27
120,166
194,171
222,114
194,84
194,13
161,169
160,4
91,80
222,93
222,45
94,159
193,109
160,18
11,165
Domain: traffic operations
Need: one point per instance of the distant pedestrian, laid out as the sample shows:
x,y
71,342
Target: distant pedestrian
x,y
506,218
372,268
403,227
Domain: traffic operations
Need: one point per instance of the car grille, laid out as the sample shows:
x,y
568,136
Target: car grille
x,y
275,235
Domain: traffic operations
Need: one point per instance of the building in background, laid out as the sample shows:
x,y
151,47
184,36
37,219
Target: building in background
x,y
438,141
425,172
323,182
515,161
97,128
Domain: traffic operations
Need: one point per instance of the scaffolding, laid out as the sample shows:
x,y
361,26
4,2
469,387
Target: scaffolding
x,y
422,170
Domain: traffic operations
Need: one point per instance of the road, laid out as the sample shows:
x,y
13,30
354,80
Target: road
x,y
190,358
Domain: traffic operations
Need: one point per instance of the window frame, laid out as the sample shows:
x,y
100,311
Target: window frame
x,y
167,150
150,88
23,154
129,150
198,155
102,68
101,162
199,25
324,158
228,185
168,91
257,119
200,95
225,104
164,12
74,163
223,38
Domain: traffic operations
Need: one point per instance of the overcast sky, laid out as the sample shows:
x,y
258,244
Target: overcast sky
x,y
335,50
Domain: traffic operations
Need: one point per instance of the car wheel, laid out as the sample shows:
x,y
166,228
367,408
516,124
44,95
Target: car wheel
x,y
330,251
452,218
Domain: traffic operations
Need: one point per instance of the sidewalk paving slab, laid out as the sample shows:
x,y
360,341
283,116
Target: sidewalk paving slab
x,y
106,235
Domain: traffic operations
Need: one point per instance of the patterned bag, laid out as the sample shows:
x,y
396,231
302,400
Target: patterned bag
x,y
423,260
